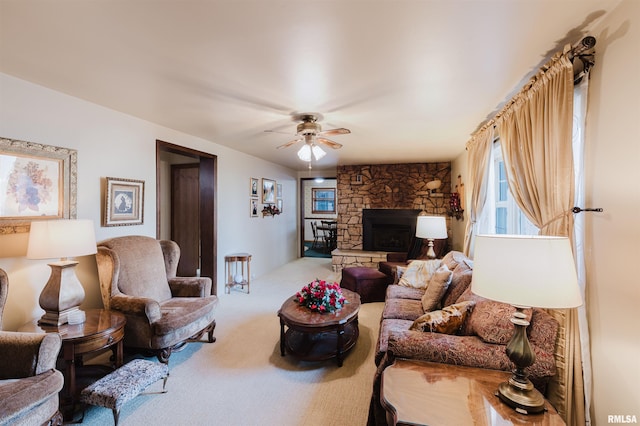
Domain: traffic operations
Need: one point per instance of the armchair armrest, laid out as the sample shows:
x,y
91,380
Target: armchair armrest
x,y
28,354
137,306
190,286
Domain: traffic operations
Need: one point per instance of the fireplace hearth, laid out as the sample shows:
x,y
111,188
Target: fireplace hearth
x,y
388,229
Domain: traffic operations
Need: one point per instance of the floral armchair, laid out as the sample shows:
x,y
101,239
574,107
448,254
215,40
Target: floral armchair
x,y
163,311
29,382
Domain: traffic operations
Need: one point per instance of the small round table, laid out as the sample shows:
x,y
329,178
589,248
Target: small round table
x,y
102,329
316,336
237,270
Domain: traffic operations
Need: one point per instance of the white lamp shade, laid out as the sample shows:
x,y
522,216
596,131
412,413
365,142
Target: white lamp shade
x,y
61,238
305,153
431,227
528,271
307,149
318,153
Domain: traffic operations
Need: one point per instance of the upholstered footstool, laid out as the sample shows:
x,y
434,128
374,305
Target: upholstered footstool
x,y
369,283
124,384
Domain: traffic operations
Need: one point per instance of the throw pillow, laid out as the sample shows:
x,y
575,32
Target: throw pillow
x,y
419,272
448,320
490,320
436,288
398,272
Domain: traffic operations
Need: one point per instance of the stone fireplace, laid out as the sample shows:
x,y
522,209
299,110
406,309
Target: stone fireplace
x,y
388,229
383,187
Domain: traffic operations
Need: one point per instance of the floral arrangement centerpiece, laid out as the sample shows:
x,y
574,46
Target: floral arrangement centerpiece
x,y
321,296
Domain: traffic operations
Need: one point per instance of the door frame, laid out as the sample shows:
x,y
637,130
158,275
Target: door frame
x,y
208,205
301,197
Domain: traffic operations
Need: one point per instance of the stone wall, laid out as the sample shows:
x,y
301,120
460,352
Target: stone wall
x,y
341,259
387,186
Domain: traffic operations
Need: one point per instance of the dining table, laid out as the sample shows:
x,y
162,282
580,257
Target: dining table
x,y
330,235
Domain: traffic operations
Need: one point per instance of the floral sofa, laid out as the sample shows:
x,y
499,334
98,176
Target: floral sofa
x,y
447,323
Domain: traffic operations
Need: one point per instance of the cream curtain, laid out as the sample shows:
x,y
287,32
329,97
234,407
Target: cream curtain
x,y
536,138
580,95
479,148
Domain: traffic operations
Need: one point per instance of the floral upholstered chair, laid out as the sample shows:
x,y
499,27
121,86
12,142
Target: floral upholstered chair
x,y
29,382
163,311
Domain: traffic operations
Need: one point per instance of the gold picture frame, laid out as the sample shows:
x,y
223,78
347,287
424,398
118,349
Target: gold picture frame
x,y
253,187
37,182
124,202
268,191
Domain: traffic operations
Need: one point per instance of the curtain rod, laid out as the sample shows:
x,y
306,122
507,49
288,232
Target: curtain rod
x,y
579,51
583,45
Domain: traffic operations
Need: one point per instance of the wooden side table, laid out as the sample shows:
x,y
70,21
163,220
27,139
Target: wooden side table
x,y
237,270
102,329
427,393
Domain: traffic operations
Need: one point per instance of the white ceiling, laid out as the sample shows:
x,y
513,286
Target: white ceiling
x,y
411,79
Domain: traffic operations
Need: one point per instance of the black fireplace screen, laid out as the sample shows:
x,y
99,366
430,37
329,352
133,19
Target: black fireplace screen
x,y
388,229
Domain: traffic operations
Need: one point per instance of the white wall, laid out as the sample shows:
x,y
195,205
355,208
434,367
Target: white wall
x,y
613,176
113,144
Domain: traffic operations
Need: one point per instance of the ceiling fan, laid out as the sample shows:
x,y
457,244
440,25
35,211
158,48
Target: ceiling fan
x,y
310,131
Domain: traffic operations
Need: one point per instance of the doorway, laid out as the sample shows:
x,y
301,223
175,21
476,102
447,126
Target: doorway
x,y
317,212
186,207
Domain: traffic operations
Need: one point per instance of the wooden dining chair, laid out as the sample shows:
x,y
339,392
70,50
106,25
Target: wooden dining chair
x,y
330,228
316,236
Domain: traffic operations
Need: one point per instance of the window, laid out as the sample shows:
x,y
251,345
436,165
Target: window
x,y
508,218
323,200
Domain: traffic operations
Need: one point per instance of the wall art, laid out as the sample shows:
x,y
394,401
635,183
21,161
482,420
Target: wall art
x,y
268,191
37,182
124,202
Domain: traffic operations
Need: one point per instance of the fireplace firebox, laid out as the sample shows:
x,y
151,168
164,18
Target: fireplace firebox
x,y
388,229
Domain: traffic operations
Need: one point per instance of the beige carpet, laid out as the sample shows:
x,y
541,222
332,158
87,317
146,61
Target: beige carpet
x,y
241,379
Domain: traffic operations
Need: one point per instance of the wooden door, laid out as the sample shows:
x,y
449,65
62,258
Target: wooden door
x,y
185,216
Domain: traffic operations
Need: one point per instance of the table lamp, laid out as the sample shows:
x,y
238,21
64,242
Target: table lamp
x,y
62,239
524,271
431,228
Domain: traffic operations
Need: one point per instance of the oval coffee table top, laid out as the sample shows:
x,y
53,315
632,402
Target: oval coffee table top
x,y
295,314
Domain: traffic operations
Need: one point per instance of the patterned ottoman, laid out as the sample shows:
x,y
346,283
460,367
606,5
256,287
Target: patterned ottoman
x,y
369,283
124,384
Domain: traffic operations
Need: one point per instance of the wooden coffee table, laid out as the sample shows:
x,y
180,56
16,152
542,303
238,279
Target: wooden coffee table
x,y
313,336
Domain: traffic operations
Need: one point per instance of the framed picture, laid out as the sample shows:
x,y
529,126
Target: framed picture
x,y
279,190
124,203
253,207
268,191
279,204
254,187
37,182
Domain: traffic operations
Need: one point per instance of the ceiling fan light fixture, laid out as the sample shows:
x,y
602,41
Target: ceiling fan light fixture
x,y
305,153
318,153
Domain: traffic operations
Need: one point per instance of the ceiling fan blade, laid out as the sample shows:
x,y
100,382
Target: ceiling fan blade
x,y
276,131
332,132
289,143
329,143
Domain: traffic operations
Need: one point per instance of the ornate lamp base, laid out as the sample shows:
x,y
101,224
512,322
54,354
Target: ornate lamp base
x,y
62,295
522,397
518,392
